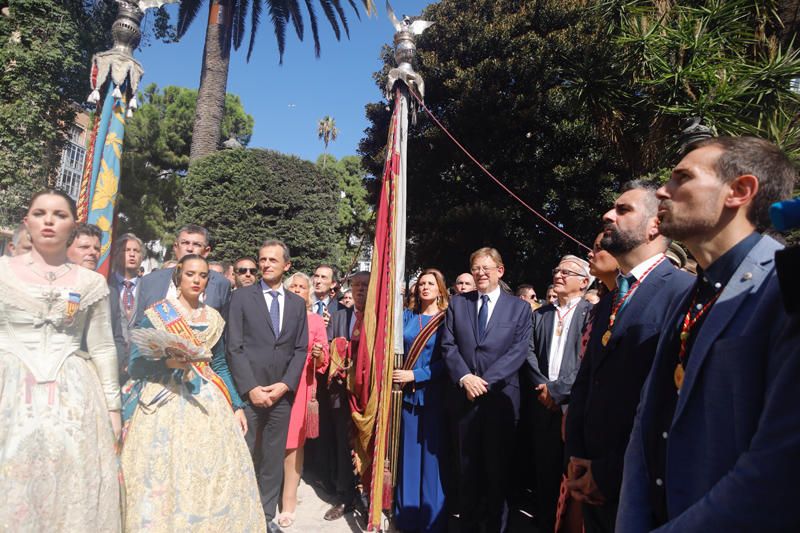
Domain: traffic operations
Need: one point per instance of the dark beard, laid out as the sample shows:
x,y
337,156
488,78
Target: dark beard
x,y
617,242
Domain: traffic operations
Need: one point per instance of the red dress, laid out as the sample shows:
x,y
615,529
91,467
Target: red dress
x,y
308,382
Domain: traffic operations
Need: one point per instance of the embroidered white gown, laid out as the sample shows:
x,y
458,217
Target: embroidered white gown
x,y
58,467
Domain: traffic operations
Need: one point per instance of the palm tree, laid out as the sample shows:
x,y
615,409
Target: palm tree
x,y
226,27
327,132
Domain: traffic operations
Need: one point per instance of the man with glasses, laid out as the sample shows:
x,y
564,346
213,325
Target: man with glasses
x,y
484,344
553,362
245,272
190,239
620,351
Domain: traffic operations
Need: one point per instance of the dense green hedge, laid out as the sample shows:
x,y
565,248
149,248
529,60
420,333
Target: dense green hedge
x,y
246,196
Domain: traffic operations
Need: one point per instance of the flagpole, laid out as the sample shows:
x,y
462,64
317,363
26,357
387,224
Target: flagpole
x,y
114,78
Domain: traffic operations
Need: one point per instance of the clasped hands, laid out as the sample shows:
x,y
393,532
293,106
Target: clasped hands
x,y
581,484
267,396
474,386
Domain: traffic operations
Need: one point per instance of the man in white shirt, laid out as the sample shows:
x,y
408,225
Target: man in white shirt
x,y
322,304
551,368
484,343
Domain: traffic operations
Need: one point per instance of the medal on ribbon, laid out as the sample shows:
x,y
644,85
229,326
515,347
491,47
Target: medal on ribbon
x,y
73,304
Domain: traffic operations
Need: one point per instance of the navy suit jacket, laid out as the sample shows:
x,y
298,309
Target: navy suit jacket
x,y
154,286
256,356
497,357
606,391
539,354
733,449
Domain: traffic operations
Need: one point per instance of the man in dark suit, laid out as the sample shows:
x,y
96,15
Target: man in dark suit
x,y
123,287
716,443
619,353
484,344
267,343
337,468
157,285
553,363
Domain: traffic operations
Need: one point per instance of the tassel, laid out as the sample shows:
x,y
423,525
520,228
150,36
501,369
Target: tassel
x,y
94,97
387,486
129,114
312,419
133,104
117,93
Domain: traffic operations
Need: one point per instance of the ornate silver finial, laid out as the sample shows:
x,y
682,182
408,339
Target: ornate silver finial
x,y
405,49
692,130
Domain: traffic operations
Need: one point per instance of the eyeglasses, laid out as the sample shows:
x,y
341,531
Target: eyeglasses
x,y
243,271
566,273
480,270
193,244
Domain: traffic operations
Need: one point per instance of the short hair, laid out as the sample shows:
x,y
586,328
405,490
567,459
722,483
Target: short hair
x,y
244,258
17,236
193,228
489,252
226,265
650,199
524,287
73,209
217,263
303,275
176,274
761,158
414,302
275,242
326,265
90,230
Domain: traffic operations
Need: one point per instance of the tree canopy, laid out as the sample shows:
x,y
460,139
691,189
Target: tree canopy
x,y
493,73
156,156
245,196
45,50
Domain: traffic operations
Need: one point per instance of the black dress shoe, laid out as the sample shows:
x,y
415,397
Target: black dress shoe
x,y
337,511
272,527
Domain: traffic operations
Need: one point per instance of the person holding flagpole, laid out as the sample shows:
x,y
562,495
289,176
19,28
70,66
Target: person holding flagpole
x,y
420,495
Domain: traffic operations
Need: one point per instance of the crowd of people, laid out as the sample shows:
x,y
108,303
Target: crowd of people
x,y
645,392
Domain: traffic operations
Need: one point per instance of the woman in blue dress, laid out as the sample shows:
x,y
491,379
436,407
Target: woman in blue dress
x,y
420,494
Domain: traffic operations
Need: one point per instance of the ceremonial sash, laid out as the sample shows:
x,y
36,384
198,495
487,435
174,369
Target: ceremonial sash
x,y
172,321
421,340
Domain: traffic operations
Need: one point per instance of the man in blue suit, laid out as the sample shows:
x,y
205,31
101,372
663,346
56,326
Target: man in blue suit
x,y
619,353
716,442
484,344
191,239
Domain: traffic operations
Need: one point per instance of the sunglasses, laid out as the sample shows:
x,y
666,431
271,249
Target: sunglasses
x,y
243,271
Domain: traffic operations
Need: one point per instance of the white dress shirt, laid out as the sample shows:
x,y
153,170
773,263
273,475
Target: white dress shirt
x,y
558,342
493,296
314,300
281,301
639,270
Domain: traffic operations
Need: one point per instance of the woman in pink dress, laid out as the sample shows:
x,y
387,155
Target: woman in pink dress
x,y
303,423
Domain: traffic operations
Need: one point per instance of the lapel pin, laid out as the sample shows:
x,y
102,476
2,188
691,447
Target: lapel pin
x,y
747,276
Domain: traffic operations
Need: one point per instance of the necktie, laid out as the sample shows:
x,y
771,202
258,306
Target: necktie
x,y
624,284
275,313
483,316
320,307
128,298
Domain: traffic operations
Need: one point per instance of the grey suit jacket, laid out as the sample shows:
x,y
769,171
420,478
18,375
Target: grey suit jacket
x,y
256,356
539,353
154,286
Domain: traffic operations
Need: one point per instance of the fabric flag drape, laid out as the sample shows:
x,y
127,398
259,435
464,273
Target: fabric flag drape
x,y
100,184
372,382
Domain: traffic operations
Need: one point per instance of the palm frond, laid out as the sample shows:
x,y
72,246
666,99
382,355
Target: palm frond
x,y
293,10
338,6
186,15
255,17
239,15
312,16
331,15
279,15
355,8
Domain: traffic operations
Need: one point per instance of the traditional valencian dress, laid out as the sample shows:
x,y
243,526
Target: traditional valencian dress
x,y
58,467
186,464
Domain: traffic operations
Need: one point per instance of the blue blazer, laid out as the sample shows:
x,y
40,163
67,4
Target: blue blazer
x,y
606,391
497,357
153,287
733,451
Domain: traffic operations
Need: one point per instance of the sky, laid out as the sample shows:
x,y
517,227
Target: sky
x,y
287,101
